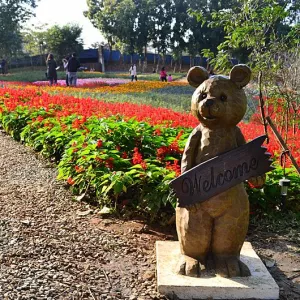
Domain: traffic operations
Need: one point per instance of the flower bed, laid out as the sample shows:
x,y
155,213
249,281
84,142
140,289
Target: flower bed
x,y
119,152
90,82
115,86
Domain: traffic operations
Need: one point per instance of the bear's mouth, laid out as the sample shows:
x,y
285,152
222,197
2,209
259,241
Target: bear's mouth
x,y
210,117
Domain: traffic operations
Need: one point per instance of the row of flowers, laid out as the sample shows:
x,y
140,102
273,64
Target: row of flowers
x,y
87,107
101,86
88,82
118,152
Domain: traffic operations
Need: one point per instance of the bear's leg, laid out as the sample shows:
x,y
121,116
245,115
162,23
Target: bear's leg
x,y
228,237
194,228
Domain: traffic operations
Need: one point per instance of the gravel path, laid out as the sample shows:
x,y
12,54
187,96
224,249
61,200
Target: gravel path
x,y
54,248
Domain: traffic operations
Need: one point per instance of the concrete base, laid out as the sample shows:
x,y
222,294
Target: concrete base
x,y
260,285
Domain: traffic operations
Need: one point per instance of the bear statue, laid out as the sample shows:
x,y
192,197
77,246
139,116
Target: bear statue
x,y
211,233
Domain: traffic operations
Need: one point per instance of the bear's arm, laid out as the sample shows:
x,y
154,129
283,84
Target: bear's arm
x,y
192,143
240,139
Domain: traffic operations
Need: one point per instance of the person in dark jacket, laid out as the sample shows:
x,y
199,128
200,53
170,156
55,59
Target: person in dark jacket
x,y
73,65
3,66
51,69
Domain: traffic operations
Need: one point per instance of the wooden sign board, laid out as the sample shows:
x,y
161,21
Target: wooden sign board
x,y
222,172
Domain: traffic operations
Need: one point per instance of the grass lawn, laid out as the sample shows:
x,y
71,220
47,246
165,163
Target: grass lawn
x,y
38,74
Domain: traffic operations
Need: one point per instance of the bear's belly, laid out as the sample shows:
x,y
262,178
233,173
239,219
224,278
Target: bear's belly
x,y
234,200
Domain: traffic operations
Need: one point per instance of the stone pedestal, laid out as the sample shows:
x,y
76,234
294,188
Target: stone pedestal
x,y
260,285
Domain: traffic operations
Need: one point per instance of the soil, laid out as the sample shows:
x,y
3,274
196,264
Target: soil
x,y
52,247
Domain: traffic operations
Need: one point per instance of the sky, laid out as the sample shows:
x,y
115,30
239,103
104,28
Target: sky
x,y
61,12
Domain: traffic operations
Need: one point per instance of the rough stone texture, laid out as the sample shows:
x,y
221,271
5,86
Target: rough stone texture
x,y
260,285
214,230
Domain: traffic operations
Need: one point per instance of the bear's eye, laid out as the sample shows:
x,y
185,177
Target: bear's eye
x,y
223,97
203,96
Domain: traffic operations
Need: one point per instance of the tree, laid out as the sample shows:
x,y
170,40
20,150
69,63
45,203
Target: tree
x,y
115,19
180,26
13,14
254,25
34,40
267,30
63,40
201,35
160,32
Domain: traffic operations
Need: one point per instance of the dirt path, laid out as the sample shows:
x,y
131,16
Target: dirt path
x,y
49,248
54,248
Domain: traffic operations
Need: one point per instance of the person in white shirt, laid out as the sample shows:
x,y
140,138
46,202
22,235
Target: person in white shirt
x,y
65,63
132,72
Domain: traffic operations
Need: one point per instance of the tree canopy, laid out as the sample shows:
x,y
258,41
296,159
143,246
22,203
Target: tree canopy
x,y
13,14
166,25
59,40
190,26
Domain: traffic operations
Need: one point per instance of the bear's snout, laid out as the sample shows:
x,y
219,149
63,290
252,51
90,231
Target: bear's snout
x,y
209,103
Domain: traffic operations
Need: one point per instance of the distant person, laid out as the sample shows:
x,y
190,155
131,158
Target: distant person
x,y
51,69
170,79
73,66
3,66
65,64
163,74
132,72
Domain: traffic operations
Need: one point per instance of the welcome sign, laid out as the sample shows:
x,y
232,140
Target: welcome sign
x,y
222,172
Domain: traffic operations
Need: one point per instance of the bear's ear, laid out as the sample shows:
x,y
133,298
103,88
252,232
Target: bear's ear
x,y
240,75
196,76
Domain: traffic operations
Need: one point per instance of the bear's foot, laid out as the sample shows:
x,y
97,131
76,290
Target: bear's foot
x,y
189,266
231,267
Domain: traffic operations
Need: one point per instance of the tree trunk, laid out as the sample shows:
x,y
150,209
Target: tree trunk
x,y
164,59
110,53
158,63
145,59
191,61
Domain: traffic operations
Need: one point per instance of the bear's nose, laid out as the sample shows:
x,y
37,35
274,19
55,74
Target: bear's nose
x,y
209,102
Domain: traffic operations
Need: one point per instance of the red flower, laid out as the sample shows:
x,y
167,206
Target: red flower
x,y
174,167
137,157
109,163
157,132
124,155
99,144
40,118
70,181
79,169
144,165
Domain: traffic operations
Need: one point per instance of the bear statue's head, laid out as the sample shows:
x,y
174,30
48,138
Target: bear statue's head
x,y
219,101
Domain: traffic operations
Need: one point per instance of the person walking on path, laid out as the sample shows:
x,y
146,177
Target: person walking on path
x,y
3,66
73,66
51,69
65,64
163,74
132,72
